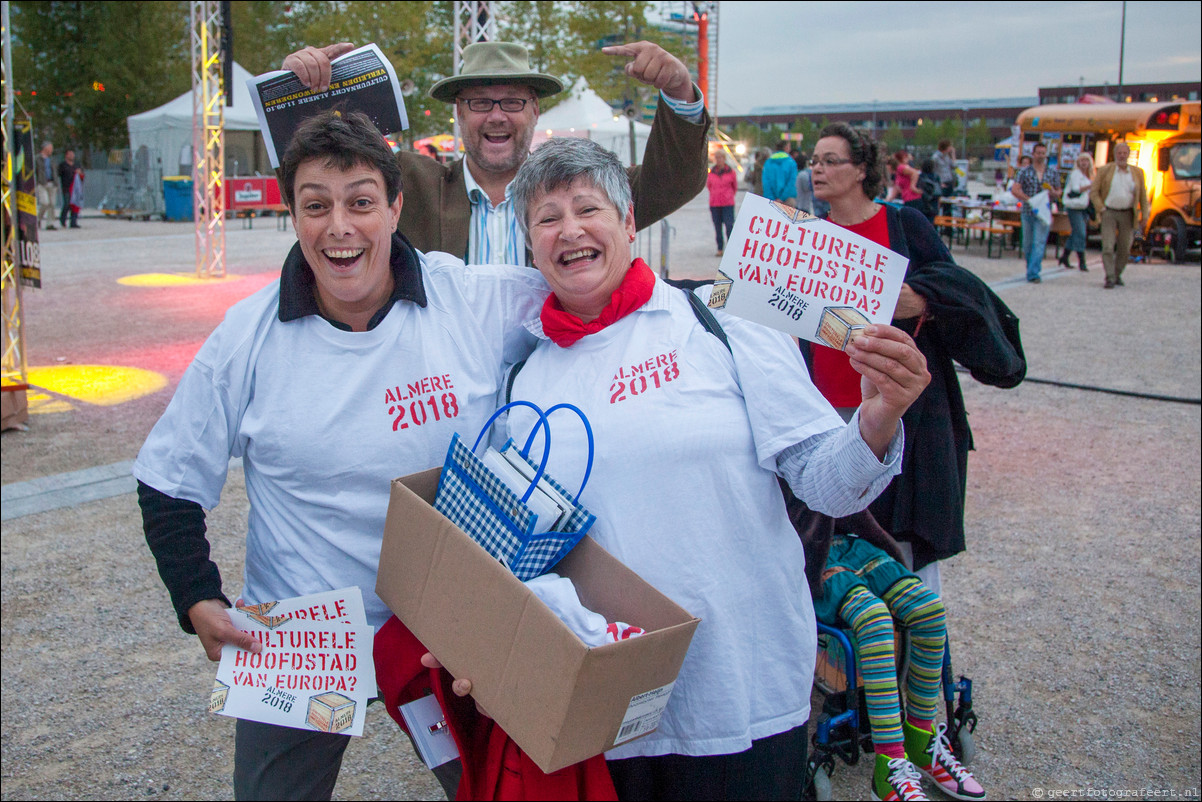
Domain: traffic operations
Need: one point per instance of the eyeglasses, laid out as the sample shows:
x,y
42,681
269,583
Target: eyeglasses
x,y
483,105
828,162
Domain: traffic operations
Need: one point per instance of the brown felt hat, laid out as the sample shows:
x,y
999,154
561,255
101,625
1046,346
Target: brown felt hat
x,y
490,63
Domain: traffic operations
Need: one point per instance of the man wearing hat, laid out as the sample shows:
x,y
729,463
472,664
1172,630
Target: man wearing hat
x,y
462,207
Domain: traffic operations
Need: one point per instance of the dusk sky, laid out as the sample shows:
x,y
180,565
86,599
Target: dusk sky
x,y
780,53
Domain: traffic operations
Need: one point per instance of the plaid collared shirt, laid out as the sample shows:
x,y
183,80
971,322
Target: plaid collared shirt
x,y
1028,179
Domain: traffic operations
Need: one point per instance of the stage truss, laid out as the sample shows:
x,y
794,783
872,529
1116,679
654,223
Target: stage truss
x,y
15,369
208,138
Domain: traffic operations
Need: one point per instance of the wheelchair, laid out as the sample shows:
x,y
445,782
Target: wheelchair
x,y
841,730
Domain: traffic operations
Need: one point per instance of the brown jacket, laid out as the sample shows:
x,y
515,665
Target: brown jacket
x,y
1101,188
436,213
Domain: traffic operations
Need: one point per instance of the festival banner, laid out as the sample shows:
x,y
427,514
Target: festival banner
x,y
361,80
29,255
804,276
315,670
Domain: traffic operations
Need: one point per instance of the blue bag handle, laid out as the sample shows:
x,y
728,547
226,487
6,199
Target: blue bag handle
x,y
588,430
542,419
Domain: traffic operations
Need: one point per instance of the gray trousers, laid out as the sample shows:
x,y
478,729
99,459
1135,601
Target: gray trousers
x,y
1117,230
273,762
46,193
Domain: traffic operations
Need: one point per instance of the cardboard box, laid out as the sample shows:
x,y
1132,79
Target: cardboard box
x,y
561,701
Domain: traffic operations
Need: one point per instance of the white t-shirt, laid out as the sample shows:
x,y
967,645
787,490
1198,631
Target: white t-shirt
x,y
324,419
684,492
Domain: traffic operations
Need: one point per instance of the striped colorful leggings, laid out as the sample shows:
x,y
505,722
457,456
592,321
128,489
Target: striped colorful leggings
x,y
871,619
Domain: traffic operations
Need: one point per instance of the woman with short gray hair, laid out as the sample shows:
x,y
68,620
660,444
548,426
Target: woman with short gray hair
x,y
690,436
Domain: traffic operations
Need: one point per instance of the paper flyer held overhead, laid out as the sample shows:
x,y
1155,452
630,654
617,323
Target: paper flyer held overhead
x,y
315,671
804,276
361,80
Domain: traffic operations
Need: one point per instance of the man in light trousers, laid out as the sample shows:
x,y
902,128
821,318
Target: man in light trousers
x,y
1120,197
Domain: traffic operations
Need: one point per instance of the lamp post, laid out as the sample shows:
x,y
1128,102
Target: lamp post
x,y
964,132
1122,44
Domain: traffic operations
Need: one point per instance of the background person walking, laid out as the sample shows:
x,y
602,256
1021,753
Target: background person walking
x,y
1029,182
780,175
945,167
67,171
47,187
905,182
722,185
1076,203
1120,197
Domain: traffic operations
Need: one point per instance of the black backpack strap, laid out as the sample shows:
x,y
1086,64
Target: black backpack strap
x,y
513,374
706,318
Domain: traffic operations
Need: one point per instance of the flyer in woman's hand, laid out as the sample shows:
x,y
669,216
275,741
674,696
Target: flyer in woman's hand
x,y
315,670
361,80
804,276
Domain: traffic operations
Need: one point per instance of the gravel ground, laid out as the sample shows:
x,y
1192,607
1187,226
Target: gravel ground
x,y
1075,609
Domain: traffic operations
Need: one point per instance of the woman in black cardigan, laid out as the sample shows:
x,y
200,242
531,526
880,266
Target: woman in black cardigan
x,y
952,315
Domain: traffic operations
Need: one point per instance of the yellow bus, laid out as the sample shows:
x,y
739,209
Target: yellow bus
x,y
1165,141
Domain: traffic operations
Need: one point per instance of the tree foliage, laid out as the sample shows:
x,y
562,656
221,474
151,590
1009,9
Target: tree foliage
x,y
140,52
82,67
593,25
264,33
892,139
544,28
979,134
415,36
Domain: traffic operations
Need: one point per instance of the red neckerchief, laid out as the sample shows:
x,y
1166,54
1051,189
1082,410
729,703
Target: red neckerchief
x,y
564,328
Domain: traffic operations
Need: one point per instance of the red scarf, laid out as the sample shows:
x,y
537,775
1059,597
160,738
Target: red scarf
x,y
564,328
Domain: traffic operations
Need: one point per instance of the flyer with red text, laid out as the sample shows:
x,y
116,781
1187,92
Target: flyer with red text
x,y
315,670
804,276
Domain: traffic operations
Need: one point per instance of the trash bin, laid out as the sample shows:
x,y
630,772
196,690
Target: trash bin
x,y
177,197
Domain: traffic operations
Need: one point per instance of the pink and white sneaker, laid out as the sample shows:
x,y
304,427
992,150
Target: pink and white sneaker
x,y
931,753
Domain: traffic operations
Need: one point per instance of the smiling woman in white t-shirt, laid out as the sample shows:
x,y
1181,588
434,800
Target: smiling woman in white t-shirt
x,y
690,436
358,365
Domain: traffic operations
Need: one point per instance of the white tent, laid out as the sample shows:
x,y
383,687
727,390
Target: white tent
x,y
585,114
168,130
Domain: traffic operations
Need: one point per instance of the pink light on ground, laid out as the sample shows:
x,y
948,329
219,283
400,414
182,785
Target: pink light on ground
x,y
169,358
190,300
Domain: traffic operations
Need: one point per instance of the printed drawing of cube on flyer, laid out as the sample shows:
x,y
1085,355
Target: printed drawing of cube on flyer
x,y
804,276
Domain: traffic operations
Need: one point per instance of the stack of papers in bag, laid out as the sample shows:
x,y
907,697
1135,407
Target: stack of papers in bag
x,y
546,502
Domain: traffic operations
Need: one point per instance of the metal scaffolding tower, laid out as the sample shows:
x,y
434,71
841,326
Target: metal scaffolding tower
x,y
15,370
474,22
208,139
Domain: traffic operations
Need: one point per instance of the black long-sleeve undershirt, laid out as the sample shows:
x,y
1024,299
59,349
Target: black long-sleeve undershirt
x,y
175,531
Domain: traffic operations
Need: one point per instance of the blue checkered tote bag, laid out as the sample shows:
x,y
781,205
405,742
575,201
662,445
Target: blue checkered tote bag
x,y
496,517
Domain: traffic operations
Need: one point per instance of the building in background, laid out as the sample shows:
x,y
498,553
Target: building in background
x,y
903,121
